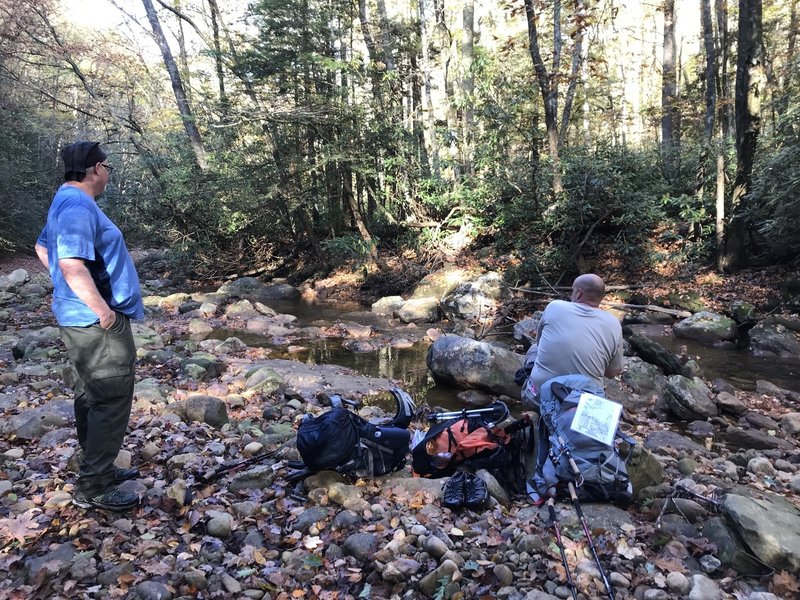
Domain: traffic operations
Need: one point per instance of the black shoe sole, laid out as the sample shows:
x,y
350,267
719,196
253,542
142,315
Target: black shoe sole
x,y
101,505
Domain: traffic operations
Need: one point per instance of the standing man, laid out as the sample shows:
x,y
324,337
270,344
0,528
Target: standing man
x,y
95,294
578,337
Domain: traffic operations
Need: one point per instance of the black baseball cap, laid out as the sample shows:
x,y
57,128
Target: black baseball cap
x,y
78,156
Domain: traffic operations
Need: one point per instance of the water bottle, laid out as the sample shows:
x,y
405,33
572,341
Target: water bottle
x,y
441,460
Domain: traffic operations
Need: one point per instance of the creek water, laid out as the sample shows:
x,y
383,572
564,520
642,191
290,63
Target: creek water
x,y
407,365
737,365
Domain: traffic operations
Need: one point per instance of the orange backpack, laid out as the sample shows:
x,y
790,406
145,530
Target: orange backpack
x,y
453,442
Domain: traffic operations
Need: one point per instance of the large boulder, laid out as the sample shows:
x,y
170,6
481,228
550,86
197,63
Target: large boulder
x,y
525,331
775,337
439,284
256,290
19,277
213,366
474,299
242,287
769,525
416,310
145,337
388,305
689,399
644,469
707,328
690,301
243,309
644,379
35,422
277,291
664,439
756,439
469,364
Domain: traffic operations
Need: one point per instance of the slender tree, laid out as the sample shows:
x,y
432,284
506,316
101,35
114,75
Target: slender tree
x,y
184,108
750,82
548,82
669,94
467,86
711,107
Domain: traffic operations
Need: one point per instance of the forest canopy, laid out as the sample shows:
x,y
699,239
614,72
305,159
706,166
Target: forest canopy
x,y
650,136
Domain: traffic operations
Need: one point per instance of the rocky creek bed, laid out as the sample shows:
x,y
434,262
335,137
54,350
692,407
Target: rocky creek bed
x,y
201,402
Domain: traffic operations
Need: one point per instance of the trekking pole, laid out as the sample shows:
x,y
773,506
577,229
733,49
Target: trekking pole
x,y
224,469
498,411
574,497
560,543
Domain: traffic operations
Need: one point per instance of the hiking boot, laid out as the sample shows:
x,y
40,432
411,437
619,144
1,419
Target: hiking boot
x,y
453,491
476,494
121,475
112,498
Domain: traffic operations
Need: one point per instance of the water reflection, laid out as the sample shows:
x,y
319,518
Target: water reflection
x,y
737,366
405,365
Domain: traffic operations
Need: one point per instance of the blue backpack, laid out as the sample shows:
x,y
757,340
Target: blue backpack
x,y
603,472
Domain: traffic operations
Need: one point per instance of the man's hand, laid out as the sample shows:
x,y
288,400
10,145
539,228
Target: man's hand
x,y
107,320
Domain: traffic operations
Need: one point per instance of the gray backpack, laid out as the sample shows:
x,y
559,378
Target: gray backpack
x,y
603,472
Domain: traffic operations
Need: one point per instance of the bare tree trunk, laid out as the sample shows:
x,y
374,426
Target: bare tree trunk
x,y
580,25
183,57
749,89
711,106
467,86
300,215
548,83
785,82
725,112
182,101
585,108
426,85
213,9
669,93
372,51
418,127
386,37
720,208
358,220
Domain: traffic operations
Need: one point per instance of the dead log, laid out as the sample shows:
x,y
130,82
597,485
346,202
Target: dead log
x,y
681,314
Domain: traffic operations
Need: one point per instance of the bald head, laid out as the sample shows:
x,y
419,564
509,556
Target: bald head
x,y
588,289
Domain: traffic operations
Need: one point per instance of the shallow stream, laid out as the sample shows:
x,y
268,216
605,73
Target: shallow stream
x,y
407,365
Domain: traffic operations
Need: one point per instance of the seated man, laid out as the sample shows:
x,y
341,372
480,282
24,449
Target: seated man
x,y
577,336
574,338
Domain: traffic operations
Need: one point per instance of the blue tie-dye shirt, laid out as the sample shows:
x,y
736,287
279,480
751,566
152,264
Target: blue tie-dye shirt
x,y
77,228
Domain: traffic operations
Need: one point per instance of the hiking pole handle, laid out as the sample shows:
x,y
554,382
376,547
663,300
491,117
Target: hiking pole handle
x,y
572,464
551,509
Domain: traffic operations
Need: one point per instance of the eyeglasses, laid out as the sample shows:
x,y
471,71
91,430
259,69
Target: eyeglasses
x,y
109,168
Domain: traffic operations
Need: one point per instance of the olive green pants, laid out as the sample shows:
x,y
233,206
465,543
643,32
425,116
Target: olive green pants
x,y
103,363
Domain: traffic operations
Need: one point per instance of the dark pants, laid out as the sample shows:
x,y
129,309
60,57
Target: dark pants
x,y
103,362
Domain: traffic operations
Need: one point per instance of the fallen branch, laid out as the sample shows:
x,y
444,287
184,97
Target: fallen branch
x,y
670,311
609,288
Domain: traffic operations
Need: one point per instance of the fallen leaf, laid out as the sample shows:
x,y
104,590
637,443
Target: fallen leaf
x,y
21,528
784,585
